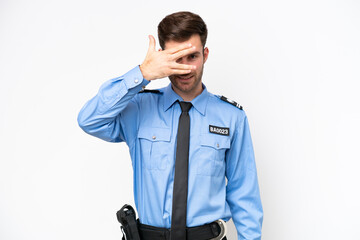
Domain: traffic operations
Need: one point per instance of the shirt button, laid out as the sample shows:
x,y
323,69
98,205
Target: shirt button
x,y
136,80
217,145
154,137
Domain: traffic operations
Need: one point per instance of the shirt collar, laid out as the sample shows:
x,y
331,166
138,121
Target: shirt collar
x,y
199,103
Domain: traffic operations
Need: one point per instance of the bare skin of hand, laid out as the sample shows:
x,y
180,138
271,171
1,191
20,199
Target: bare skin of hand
x,y
160,64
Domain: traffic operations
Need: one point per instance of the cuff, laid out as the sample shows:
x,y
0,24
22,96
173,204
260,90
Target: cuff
x,y
134,78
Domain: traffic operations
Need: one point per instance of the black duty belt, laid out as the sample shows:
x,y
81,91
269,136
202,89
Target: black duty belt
x,y
204,232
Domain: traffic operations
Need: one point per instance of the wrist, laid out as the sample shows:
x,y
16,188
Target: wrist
x,y
144,72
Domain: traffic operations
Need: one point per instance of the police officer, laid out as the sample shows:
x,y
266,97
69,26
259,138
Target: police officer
x,y
191,150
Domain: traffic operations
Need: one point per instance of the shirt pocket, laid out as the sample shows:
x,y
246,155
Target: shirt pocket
x,y
154,147
212,154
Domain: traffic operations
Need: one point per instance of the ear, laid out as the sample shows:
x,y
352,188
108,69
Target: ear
x,y
206,54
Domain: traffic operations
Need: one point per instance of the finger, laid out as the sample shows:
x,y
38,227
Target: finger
x,y
179,72
183,53
151,43
179,48
179,66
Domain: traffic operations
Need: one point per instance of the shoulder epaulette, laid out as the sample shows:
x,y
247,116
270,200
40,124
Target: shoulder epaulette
x,y
149,91
225,99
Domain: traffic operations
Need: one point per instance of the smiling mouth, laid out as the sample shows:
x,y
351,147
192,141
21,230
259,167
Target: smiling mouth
x,y
184,78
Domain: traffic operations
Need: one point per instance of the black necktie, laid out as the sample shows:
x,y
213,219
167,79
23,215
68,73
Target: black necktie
x,y
178,219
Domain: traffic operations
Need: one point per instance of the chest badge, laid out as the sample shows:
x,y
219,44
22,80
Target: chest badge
x,y
219,130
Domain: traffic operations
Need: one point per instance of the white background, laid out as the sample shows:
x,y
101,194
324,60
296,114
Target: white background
x,y
293,65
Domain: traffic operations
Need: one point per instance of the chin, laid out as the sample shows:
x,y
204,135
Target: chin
x,y
184,87
186,84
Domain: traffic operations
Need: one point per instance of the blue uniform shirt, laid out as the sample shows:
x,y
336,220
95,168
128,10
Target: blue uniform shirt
x,y
148,123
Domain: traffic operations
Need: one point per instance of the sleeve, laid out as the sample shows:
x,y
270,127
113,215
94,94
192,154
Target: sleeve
x,y
242,190
112,113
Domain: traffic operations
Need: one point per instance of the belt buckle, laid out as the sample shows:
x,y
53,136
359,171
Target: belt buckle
x,y
222,226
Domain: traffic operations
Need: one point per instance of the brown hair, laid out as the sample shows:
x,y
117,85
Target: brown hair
x,y
180,26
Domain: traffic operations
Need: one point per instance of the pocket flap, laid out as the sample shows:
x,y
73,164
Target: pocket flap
x,y
154,134
217,142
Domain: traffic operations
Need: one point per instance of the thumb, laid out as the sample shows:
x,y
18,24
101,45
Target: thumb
x,y
151,43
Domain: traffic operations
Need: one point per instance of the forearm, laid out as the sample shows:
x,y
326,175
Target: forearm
x,y
100,116
246,207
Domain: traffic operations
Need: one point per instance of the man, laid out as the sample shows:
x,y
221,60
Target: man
x,y
184,141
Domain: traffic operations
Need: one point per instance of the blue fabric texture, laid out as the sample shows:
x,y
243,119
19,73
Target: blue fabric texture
x,y
223,180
